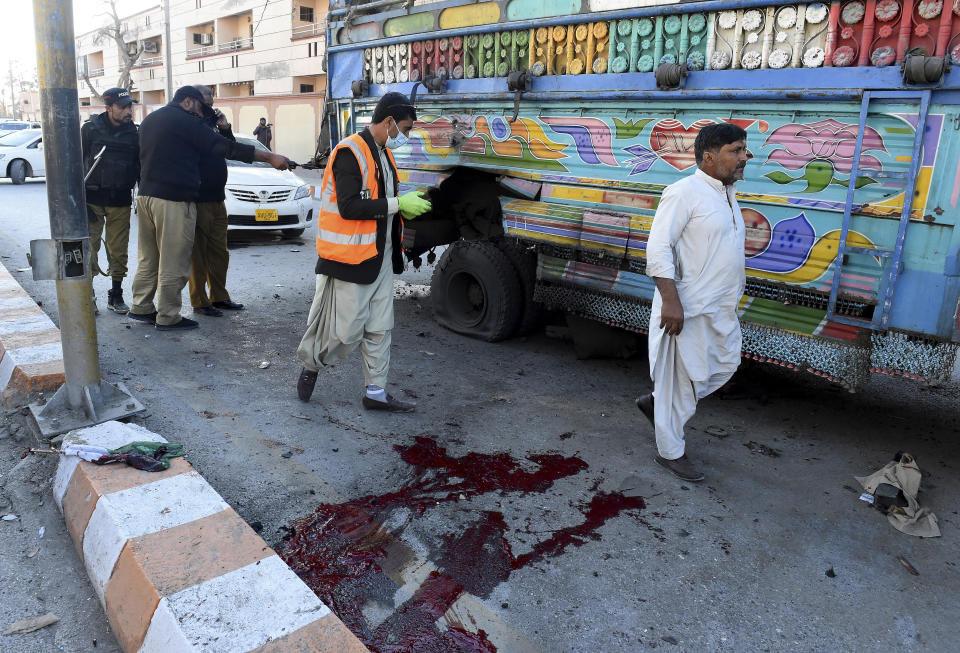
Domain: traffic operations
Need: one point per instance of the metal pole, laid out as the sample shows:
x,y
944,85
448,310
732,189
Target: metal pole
x,y
83,399
60,117
13,98
168,57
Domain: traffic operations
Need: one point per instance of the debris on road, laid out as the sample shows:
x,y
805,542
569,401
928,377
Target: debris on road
x,y
762,449
902,478
31,624
264,365
304,417
830,573
9,518
906,563
716,431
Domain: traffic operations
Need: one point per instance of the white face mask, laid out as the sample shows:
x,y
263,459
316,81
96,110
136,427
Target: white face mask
x,y
393,142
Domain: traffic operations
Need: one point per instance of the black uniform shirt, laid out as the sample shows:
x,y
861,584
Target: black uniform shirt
x,y
173,142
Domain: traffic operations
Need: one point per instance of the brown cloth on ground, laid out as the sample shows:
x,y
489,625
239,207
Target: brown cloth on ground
x,y
913,519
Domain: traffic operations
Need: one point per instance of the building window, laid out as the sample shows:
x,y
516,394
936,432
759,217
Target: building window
x,y
312,49
147,21
306,88
82,65
199,66
235,61
198,4
306,14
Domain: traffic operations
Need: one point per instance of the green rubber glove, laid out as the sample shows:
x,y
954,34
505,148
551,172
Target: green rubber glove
x,y
413,205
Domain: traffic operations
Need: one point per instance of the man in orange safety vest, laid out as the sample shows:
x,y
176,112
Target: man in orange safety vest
x,y
359,249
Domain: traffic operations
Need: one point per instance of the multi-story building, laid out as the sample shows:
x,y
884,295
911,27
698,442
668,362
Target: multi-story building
x,y
29,103
262,59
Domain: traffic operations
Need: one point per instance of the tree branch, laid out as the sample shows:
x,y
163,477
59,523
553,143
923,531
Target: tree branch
x,y
86,78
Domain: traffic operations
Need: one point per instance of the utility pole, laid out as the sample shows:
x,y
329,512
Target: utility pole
x,y
84,399
167,57
13,98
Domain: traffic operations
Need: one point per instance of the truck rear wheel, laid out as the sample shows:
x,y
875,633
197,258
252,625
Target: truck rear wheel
x,y
476,291
525,262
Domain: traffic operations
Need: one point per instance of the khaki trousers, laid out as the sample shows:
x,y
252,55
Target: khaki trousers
x,y
165,246
113,223
210,255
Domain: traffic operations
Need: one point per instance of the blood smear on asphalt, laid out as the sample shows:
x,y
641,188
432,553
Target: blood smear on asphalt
x,y
342,550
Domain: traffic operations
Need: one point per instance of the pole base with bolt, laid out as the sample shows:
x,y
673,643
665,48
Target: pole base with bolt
x,y
101,403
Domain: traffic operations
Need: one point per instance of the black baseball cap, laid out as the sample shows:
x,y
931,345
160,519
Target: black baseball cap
x,y
187,91
117,95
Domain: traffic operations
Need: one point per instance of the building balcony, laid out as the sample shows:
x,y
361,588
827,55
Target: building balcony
x,y
146,62
96,72
309,31
234,45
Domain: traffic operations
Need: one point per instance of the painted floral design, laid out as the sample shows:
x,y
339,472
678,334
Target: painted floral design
x,y
827,140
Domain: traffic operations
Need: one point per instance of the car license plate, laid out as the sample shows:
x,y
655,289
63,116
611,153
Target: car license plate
x,y
266,215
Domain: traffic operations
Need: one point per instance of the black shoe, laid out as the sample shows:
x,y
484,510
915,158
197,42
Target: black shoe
x,y
184,323
149,318
305,383
209,311
645,404
391,404
115,302
229,305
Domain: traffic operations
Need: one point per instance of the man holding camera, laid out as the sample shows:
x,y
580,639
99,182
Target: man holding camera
x,y
264,133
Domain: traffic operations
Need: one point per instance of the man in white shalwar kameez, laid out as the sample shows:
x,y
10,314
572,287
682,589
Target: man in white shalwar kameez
x,y
695,254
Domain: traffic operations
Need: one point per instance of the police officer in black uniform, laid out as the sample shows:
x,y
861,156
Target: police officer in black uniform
x,y
111,150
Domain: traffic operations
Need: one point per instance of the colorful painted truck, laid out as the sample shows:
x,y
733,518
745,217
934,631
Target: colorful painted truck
x,y
573,115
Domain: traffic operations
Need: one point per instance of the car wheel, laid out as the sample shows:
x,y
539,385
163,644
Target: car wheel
x,y
18,171
476,291
292,233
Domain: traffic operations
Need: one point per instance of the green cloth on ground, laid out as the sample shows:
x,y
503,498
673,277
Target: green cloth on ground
x,y
162,452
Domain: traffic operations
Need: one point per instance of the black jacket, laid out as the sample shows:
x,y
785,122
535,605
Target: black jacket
x,y
349,183
113,179
173,143
213,169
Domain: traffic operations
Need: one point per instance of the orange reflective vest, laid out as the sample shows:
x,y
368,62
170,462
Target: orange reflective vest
x,y
348,241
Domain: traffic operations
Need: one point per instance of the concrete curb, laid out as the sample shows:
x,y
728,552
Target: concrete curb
x,y
31,358
175,568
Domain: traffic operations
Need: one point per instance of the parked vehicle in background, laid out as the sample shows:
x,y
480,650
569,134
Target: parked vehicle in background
x,y
21,155
260,197
7,126
580,115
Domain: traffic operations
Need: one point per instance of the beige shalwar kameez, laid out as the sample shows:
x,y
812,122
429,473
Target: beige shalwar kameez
x,y
345,314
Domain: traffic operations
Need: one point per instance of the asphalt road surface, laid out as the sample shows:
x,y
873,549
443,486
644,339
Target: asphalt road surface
x,y
519,509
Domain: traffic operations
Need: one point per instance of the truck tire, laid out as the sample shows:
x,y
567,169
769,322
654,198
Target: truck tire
x,y
476,291
525,262
18,171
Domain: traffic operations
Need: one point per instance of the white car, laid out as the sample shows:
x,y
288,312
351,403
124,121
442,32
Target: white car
x,y
7,126
21,155
260,197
